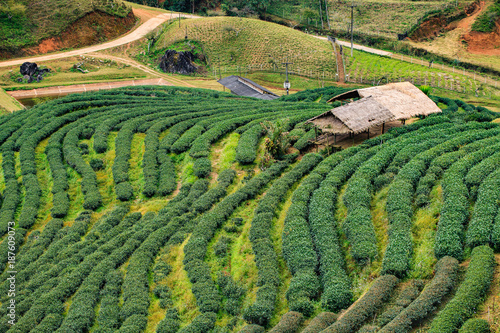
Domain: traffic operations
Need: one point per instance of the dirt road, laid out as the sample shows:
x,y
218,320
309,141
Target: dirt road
x,y
78,88
138,33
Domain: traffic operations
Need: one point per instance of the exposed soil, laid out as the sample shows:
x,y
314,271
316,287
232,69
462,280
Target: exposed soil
x,y
93,28
483,43
431,28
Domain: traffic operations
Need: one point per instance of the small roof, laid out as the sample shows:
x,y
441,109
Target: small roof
x,y
376,106
244,87
402,99
348,118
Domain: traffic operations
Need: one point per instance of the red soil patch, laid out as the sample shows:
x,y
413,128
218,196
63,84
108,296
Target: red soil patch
x,y
93,28
433,26
483,43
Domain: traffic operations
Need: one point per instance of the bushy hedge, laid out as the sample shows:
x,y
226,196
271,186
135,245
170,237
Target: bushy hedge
x,y
407,295
202,167
479,172
246,151
108,316
185,141
470,293
170,323
201,324
232,291
289,323
167,182
454,214
261,311
475,326
365,307
204,289
72,155
305,140
480,227
320,322
252,328
444,279
298,248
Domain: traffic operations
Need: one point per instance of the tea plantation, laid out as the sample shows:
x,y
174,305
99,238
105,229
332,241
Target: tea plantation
x,y
154,209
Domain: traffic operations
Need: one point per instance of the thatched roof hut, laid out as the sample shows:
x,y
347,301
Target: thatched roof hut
x,y
403,99
376,106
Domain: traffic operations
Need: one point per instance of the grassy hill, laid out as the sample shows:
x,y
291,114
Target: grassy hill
x,y
154,209
230,41
25,23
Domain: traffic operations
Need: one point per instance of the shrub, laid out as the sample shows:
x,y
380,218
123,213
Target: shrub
x,y
289,323
444,279
171,322
124,191
475,326
246,151
252,329
407,295
96,164
202,167
222,245
470,293
320,322
365,307
201,324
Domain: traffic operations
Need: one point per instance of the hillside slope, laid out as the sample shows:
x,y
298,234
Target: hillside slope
x,y
33,27
230,41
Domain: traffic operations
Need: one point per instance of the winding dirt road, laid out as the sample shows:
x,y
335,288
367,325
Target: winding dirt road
x,y
136,34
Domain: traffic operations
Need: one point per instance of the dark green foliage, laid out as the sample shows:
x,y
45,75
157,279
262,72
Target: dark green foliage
x,y
304,140
232,291
485,210
470,293
124,191
475,326
252,329
262,310
320,322
50,323
186,140
365,307
246,151
84,148
96,164
201,324
444,279
167,181
289,323
171,322
198,271
202,167
407,295
222,245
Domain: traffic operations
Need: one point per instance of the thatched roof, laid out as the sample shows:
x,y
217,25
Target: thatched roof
x,y
403,99
354,117
376,106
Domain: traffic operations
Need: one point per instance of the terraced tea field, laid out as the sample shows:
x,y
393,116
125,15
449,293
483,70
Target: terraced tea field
x,y
151,209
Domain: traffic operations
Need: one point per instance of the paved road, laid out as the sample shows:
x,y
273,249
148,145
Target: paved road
x,y
136,34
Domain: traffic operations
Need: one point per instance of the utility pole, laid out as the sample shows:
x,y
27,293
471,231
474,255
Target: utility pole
x,y
352,26
327,16
179,20
321,14
286,85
